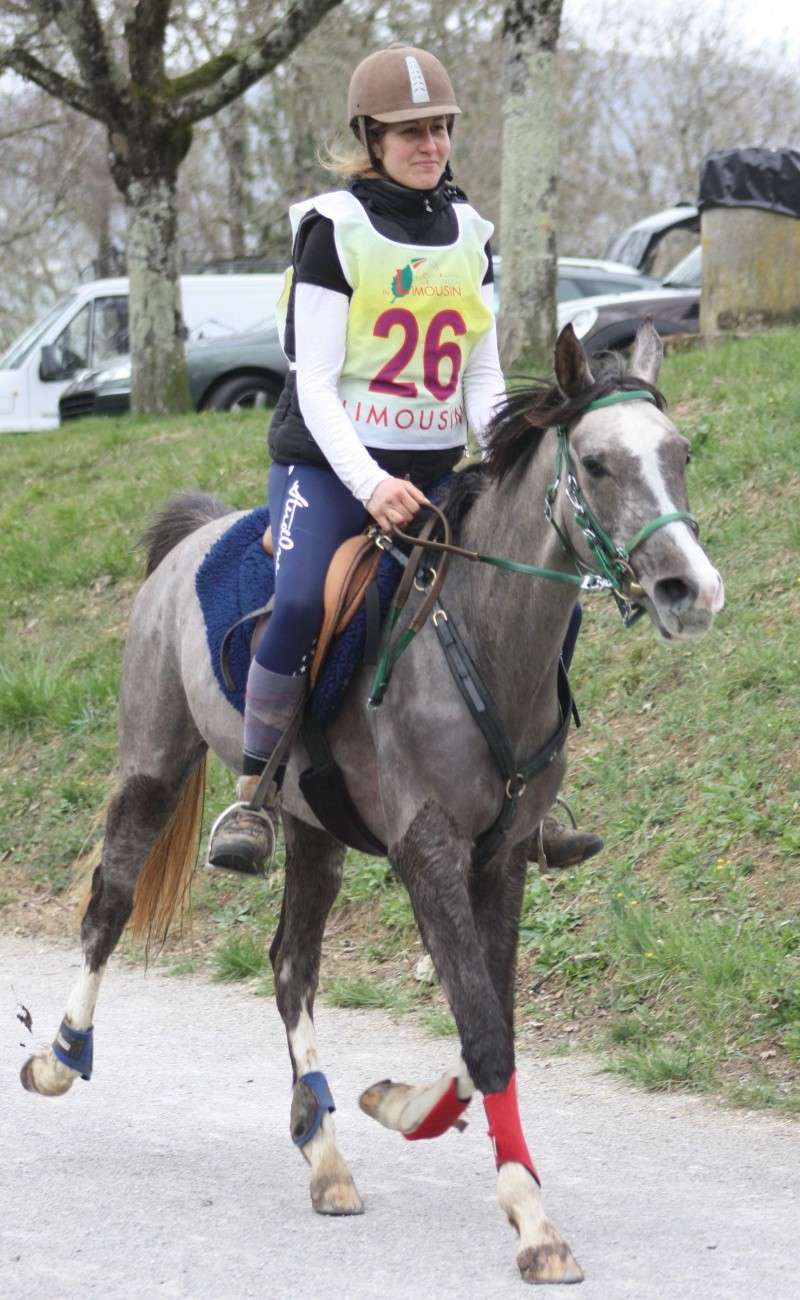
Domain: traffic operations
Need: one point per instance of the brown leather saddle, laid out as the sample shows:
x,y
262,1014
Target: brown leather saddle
x,y
350,573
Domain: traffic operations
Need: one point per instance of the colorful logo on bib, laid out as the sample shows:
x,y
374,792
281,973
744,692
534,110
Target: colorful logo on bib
x,y
403,278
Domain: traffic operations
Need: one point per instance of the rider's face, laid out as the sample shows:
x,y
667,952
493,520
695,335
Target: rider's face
x,y
415,153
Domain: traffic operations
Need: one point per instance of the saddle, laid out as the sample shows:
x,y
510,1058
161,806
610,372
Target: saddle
x,y
349,578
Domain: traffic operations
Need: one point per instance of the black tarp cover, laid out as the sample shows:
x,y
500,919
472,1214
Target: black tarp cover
x,y
751,178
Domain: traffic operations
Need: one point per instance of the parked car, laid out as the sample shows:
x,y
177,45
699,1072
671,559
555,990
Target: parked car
x,y
87,330
611,320
241,371
582,277
655,243
247,369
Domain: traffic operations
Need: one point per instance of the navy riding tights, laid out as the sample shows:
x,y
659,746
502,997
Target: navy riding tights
x,y
312,513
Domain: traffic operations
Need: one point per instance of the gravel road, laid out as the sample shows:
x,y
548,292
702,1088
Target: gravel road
x,y
172,1175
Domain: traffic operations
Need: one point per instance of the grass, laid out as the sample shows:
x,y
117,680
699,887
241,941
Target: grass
x,y
368,993
241,956
677,955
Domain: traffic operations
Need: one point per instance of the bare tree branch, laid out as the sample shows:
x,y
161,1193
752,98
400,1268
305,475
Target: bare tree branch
x,y
63,88
80,25
145,33
28,129
220,80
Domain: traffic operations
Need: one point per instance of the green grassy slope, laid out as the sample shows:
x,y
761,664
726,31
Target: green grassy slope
x,y
678,953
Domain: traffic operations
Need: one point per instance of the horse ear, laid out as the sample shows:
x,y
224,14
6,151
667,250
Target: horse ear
x,y
648,352
573,375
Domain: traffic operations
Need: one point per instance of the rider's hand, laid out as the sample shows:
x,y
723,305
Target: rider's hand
x,y
394,503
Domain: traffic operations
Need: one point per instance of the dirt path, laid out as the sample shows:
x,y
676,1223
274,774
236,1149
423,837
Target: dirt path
x,y
172,1173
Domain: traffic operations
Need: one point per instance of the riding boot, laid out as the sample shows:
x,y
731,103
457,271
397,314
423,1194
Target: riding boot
x,y
243,838
554,846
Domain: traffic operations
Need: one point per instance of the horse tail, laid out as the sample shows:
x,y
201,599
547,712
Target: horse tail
x,y
163,885
181,515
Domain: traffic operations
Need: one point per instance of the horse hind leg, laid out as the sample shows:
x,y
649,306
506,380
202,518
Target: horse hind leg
x,y
313,876
150,837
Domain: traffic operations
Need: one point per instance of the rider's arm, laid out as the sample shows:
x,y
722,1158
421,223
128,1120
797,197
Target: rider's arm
x,y
483,382
320,338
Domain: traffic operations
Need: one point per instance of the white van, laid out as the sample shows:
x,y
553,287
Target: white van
x,y
88,328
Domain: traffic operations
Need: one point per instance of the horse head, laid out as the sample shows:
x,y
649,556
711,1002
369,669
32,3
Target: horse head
x,y
624,478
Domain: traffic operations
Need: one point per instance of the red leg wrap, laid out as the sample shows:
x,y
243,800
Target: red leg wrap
x,y
505,1128
441,1117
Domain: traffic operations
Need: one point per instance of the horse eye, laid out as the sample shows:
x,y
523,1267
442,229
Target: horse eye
x,y
594,466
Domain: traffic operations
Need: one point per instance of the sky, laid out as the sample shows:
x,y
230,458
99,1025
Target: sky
x,y
760,22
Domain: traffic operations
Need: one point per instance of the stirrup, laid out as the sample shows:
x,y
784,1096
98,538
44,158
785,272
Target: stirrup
x,y
569,847
246,856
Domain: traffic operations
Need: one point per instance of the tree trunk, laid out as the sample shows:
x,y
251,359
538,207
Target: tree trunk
x,y
159,382
529,188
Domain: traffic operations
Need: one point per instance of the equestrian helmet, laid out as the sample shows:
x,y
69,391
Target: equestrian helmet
x,y
399,84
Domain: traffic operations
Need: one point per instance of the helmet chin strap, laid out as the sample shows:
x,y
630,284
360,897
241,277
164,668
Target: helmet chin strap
x,y
363,136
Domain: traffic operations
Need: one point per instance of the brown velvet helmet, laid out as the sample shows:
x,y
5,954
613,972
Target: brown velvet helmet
x,y
399,84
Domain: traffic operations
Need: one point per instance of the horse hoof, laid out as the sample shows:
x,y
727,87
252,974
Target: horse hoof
x,y
47,1076
550,1263
332,1194
372,1099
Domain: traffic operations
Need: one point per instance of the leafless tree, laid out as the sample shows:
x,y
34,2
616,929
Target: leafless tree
x,y
52,179
112,65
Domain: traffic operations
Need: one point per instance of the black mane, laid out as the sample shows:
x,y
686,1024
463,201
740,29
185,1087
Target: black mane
x,y
521,421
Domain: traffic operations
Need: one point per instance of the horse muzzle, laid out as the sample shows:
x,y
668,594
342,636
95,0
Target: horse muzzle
x,y
685,605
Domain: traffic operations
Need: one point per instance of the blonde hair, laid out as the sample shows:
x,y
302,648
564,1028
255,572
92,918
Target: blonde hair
x,y
351,161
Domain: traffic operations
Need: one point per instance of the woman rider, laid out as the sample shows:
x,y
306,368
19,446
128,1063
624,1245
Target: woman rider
x,y
391,339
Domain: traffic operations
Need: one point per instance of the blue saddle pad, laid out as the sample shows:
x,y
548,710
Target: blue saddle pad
x,y
238,576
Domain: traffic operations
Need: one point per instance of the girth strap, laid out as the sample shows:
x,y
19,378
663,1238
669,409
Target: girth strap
x,y
324,789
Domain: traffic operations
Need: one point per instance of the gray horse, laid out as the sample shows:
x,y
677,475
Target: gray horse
x,y
418,768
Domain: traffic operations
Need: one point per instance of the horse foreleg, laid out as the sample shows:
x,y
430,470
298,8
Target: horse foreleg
x,y
428,1111
497,892
433,860
137,816
313,877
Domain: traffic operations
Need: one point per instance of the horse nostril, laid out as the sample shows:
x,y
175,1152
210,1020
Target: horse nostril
x,y
675,592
